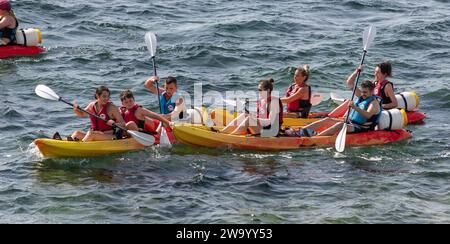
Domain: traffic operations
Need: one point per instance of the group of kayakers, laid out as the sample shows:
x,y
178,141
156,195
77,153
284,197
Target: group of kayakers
x,y
8,23
373,97
130,115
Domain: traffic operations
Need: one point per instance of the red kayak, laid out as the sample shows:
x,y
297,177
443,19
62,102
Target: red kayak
x,y
17,50
414,117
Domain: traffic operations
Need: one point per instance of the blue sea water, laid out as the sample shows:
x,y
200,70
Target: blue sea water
x,y
226,45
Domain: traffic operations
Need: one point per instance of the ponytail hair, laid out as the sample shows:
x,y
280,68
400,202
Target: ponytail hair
x,y
267,84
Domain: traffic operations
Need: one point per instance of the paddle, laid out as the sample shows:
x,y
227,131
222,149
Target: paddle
x,y
368,36
150,40
47,93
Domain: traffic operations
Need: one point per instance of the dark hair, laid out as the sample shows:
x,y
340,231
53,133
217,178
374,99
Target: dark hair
x,y
386,68
305,71
368,84
100,90
126,94
267,84
170,80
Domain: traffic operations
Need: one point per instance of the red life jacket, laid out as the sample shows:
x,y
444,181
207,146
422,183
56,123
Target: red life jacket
x,y
379,91
263,109
301,104
97,124
130,114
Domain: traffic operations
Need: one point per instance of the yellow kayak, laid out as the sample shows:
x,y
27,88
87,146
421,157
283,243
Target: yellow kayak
x,y
58,148
203,136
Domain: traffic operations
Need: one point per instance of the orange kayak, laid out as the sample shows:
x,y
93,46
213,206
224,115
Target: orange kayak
x,y
204,137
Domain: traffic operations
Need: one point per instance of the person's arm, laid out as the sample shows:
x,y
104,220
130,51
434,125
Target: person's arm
x,y
351,80
302,92
80,113
115,112
147,113
6,21
373,109
150,84
389,90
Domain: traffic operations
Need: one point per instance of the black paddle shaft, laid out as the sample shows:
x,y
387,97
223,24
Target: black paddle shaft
x,y
355,86
157,85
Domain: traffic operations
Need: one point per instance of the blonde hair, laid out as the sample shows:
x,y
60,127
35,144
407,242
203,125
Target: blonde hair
x,y
305,71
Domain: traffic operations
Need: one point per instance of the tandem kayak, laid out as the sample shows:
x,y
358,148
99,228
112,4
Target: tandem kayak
x,y
18,50
204,137
58,148
222,117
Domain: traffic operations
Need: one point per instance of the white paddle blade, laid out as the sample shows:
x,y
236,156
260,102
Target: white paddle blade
x,y
340,140
316,98
45,92
144,139
164,141
369,35
150,40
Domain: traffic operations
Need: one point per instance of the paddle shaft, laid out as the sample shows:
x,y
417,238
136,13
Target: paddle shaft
x,y
157,84
355,86
91,114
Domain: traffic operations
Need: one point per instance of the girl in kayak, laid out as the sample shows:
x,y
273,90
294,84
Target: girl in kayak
x,y
269,112
103,107
8,23
298,95
383,87
364,116
138,118
172,104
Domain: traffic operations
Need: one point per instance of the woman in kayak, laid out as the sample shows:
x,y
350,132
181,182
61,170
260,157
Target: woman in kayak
x,y
103,107
269,112
138,118
364,116
172,104
383,87
8,23
298,95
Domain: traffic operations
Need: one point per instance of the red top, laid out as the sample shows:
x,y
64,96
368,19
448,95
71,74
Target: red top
x,y
97,124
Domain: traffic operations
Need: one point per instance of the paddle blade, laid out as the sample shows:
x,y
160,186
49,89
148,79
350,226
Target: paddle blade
x,y
316,98
340,140
45,92
164,141
369,35
336,98
142,138
150,40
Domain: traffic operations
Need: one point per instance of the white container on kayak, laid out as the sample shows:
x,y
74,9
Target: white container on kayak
x,y
393,119
407,100
29,37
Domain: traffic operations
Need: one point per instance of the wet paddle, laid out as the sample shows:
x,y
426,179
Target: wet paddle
x,y
150,40
368,36
47,93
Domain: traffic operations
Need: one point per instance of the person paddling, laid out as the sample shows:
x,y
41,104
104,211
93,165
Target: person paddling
x,y
104,108
8,23
298,95
383,87
139,118
364,116
172,104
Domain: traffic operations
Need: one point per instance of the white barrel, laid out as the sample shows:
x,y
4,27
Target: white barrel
x,y
407,100
197,116
29,37
393,119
